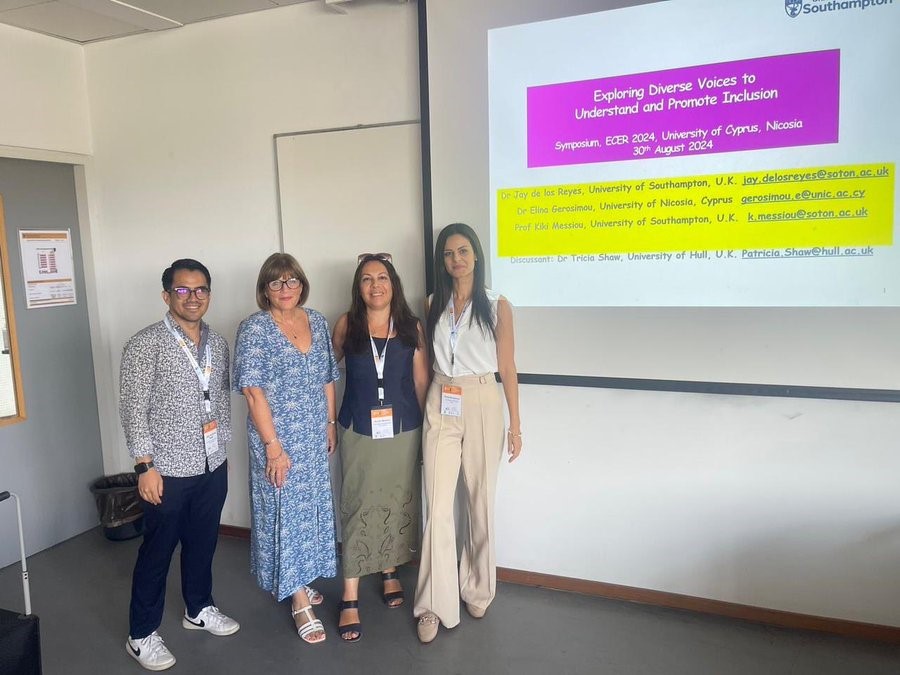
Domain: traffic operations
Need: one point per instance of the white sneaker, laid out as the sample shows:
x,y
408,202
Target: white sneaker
x,y
212,621
150,652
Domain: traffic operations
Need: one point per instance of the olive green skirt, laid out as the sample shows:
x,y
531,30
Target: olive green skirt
x,y
379,501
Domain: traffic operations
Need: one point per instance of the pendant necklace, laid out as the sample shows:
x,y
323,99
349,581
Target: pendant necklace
x,y
281,323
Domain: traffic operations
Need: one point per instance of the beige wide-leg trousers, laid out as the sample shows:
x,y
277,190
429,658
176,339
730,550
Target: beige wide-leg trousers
x,y
472,443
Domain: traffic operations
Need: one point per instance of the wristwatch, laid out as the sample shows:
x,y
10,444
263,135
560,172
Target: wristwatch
x,y
143,467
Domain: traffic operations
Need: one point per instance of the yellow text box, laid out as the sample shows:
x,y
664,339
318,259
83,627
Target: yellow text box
x,y
823,206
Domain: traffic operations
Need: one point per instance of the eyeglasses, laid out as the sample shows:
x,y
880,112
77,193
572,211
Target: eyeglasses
x,y
277,284
386,257
183,292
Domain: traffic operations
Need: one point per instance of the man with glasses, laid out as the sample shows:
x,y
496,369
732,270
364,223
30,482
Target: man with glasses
x,y
175,408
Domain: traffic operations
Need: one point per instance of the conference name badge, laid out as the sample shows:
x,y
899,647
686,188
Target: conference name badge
x,y
382,422
211,438
451,400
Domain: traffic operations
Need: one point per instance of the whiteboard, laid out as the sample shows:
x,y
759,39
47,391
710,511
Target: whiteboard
x,y
349,191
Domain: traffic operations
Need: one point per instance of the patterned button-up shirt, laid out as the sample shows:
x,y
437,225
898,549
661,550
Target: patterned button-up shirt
x,y
161,401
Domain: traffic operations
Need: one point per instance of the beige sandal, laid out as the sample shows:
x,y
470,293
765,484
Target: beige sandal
x,y
428,627
312,625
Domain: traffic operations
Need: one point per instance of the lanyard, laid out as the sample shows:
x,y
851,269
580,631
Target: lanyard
x,y
203,374
379,361
454,330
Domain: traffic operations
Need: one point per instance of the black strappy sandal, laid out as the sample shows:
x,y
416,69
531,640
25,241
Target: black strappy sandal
x,y
393,595
350,627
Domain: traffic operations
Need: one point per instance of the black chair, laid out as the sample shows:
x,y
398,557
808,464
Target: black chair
x,y
20,634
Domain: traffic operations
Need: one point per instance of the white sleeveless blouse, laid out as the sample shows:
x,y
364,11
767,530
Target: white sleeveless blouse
x,y
476,350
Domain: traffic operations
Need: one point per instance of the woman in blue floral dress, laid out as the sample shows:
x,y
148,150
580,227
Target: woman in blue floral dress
x,y
285,367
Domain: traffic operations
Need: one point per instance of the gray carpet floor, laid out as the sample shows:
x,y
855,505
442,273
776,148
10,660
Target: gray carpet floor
x,y
80,590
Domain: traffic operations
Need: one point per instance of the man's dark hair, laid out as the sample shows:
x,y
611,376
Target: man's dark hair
x,y
188,264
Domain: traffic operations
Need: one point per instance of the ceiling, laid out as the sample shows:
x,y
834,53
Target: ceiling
x,y
84,21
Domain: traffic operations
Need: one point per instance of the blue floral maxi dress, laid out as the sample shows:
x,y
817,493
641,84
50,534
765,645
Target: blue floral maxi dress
x,y
292,529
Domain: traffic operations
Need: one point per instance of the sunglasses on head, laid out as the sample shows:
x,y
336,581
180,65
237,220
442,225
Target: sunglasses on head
x,y
386,257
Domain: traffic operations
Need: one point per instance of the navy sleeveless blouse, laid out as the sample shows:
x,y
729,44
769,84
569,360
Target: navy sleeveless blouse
x,y
361,388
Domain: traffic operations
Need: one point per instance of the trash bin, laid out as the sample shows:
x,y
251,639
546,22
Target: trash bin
x,y
119,506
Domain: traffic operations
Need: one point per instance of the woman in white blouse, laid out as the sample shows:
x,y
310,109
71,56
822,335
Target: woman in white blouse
x,y
470,330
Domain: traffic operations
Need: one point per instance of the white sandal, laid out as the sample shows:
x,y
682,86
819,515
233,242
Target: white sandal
x,y
315,598
313,625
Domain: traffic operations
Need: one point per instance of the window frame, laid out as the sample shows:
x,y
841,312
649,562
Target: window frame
x,y
6,279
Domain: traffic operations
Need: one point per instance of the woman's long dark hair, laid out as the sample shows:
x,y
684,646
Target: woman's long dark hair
x,y
406,324
443,284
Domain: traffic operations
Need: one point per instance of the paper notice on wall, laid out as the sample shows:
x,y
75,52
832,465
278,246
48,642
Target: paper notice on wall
x,y
48,267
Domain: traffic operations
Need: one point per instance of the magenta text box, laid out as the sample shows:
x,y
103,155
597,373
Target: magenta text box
x,y
769,102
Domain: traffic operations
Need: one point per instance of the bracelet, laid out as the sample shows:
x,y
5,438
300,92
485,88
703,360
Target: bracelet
x,y
518,435
272,459
331,421
266,444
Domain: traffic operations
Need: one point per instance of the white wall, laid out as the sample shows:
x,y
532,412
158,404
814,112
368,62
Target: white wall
x,y
44,96
184,161
787,504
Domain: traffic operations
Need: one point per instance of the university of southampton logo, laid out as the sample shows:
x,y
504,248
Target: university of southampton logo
x,y
793,7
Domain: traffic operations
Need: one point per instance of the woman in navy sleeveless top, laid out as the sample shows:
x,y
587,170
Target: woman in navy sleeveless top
x,y
380,420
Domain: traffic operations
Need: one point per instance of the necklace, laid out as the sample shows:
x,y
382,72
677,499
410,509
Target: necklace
x,y
288,329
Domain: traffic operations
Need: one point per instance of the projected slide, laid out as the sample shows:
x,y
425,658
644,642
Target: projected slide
x,y
698,153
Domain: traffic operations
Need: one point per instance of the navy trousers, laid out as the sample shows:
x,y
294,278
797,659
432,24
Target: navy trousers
x,y
189,513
